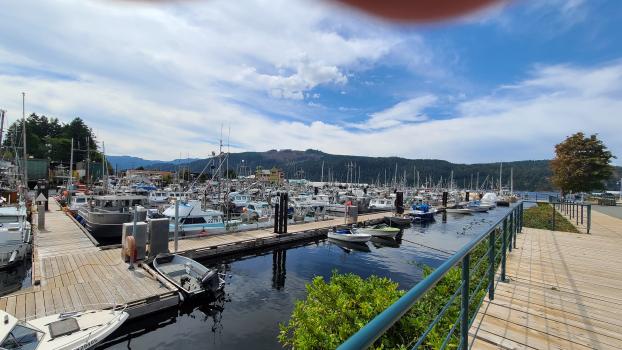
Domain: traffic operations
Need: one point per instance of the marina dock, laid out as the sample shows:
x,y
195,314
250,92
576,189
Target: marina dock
x,y
70,273
564,292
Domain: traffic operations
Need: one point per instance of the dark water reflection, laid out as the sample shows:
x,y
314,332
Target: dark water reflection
x,y
262,288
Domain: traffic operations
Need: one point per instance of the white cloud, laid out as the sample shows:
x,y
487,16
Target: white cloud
x,y
408,111
159,81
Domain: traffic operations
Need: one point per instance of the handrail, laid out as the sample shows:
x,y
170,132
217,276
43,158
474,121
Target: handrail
x,y
373,330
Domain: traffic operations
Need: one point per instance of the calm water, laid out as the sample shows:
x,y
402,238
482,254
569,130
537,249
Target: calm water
x,y
262,288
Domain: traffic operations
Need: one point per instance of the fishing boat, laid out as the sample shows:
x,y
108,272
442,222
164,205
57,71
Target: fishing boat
x,y
380,230
193,219
459,209
73,330
477,207
488,200
189,276
104,216
347,235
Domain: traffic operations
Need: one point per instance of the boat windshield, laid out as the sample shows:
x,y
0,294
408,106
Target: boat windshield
x,y
22,337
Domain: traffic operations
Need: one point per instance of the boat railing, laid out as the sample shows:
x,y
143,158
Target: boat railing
x,y
478,262
83,307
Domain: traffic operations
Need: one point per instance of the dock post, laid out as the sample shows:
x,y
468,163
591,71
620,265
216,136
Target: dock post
x,y
466,196
464,314
285,207
277,215
41,216
504,248
582,205
491,261
176,234
445,194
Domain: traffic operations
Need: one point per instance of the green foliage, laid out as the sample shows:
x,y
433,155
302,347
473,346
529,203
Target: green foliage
x,y
47,138
541,216
581,164
333,311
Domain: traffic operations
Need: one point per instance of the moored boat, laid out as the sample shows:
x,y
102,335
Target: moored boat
x,y
380,230
345,234
189,276
73,330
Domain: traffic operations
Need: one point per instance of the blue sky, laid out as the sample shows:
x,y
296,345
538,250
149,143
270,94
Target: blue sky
x,y
162,80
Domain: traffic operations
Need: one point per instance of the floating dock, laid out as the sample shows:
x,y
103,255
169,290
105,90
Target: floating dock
x,y
70,273
564,292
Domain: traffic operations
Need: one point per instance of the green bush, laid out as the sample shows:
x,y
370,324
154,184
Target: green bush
x,y
541,216
335,310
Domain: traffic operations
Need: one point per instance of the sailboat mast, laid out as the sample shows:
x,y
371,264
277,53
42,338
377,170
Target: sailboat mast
x,y
501,177
70,180
24,138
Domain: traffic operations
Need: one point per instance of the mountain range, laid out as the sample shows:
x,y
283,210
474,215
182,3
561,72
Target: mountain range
x,y
129,162
532,175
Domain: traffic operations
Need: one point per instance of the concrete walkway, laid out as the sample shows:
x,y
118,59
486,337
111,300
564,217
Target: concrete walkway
x,y
564,292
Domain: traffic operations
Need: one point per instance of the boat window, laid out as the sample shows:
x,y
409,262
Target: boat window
x,y
21,337
7,219
252,207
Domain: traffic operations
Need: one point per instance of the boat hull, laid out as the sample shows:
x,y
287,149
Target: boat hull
x,y
350,237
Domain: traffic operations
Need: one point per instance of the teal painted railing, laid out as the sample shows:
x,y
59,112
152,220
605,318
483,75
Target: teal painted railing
x,y
500,236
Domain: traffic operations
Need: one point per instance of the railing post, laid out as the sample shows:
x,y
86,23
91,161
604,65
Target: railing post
x,y
464,322
504,248
515,226
491,269
510,229
589,217
554,215
582,205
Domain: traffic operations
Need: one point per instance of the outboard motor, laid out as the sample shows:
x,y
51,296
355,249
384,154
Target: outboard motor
x,y
210,280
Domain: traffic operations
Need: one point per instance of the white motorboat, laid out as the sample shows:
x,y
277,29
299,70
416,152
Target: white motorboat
x,y
382,203
489,200
15,236
344,234
74,330
380,230
189,276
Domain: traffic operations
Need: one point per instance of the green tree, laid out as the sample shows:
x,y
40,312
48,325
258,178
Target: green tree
x,y
581,164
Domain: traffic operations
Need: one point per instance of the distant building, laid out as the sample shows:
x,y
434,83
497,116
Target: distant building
x,y
147,175
274,175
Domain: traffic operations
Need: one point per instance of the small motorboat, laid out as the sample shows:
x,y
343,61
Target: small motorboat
x,y
396,221
347,235
459,209
189,276
422,212
72,330
380,230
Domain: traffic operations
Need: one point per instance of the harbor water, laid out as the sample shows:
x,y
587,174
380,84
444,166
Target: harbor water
x,y
262,287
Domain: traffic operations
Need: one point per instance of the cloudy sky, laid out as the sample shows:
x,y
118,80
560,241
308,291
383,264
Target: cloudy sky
x,y
162,80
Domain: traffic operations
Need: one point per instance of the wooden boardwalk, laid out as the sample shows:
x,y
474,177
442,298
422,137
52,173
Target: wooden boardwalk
x,y
72,274
564,292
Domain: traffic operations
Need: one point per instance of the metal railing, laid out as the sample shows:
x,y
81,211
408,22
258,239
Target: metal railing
x,y
480,271
578,213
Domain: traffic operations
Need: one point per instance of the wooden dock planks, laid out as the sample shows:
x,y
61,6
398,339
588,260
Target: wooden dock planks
x,y
564,292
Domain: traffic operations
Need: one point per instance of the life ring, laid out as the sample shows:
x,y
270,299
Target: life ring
x,y
130,247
